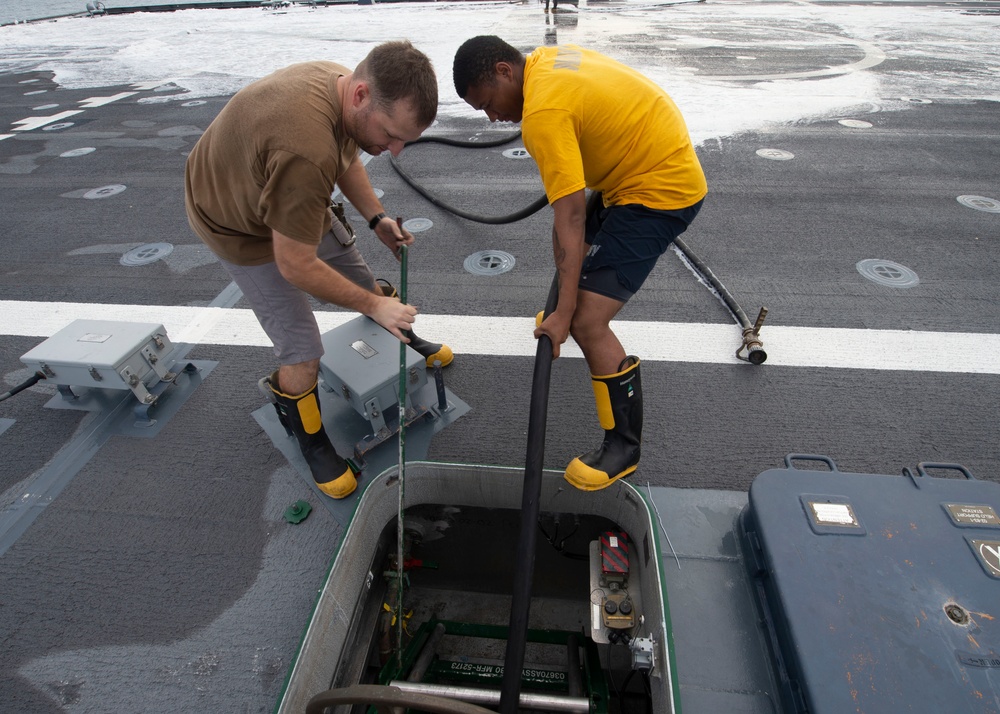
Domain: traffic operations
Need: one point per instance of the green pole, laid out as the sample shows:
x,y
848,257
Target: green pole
x,y
402,465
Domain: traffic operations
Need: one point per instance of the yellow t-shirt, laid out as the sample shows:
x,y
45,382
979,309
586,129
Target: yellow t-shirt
x,y
269,162
592,122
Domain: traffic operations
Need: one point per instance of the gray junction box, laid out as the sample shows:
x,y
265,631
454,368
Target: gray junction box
x,y
361,364
105,354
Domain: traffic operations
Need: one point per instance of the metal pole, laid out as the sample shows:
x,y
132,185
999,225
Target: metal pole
x,y
529,700
517,634
402,463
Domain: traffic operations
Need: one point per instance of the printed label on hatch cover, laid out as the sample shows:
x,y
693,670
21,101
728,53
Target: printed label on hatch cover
x,y
988,553
991,660
973,514
833,514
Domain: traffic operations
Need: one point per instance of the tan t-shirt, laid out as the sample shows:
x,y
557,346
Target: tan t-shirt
x,y
269,162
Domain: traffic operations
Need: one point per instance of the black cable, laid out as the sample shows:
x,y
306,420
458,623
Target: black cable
x,y
623,692
31,381
562,543
559,548
611,674
649,691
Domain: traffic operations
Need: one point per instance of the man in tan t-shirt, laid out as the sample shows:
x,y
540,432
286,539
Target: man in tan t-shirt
x,y
257,191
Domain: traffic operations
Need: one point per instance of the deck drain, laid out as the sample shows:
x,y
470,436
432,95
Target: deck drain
x,y
489,262
145,254
194,103
104,191
980,203
418,225
519,153
885,272
82,151
917,100
775,154
57,127
855,123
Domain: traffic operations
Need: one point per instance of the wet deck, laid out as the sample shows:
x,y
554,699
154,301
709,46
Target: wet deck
x,y
154,571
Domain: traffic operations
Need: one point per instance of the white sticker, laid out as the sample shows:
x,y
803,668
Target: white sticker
x,y
613,540
836,513
93,337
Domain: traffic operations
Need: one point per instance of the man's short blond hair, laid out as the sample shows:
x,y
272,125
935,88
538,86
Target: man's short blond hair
x,y
398,70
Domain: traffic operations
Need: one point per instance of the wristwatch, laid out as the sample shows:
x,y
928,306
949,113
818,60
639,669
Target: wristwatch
x,y
375,220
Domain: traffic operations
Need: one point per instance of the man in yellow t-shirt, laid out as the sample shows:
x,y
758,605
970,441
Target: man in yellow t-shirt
x,y
257,191
593,123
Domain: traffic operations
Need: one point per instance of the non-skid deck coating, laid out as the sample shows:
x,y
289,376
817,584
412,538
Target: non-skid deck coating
x,y
163,576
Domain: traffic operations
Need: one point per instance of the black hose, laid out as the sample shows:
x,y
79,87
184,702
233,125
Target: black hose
x,y
707,273
517,632
539,204
534,207
31,381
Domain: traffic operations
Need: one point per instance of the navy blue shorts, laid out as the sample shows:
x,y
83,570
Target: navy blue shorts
x,y
625,243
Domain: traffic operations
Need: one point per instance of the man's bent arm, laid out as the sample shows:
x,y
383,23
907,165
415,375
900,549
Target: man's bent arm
x,y
299,265
357,188
568,249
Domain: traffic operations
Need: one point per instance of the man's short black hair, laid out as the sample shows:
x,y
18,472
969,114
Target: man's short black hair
x,y
476,60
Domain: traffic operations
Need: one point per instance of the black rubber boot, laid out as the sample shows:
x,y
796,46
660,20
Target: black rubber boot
x,y
619,408
300,415
431,351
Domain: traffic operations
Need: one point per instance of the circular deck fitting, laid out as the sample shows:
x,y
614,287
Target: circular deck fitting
x,y
885,272
418,225
916,100
980,203
145,254
194,103
957,614
58,127
518,153
855,123
489,262
82,151
775,154
104,191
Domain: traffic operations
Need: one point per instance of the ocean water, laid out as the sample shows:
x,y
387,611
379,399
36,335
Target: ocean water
x,y
833,60
25,10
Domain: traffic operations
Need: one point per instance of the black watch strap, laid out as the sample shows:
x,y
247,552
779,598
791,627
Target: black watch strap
x,y
375,220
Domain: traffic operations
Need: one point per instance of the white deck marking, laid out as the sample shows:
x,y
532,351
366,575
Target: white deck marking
x,y
35,122
92,102
823,347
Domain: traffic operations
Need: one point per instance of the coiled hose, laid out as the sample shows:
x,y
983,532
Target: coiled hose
x,y
755,353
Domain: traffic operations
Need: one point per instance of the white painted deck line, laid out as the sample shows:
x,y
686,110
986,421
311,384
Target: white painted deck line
x,y
817,347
